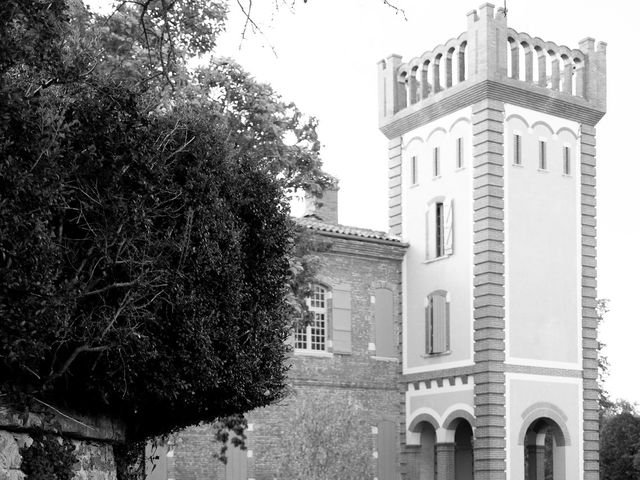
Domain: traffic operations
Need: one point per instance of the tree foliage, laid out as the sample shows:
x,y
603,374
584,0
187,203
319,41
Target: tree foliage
x,y
146,265
620,443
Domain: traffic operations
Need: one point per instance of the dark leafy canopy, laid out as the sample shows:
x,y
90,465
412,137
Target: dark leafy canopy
x,y
620,443
145,241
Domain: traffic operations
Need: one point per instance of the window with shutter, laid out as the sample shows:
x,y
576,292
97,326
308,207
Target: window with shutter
x,y
313,337
341,318
439,230
386,447
385,336
437,323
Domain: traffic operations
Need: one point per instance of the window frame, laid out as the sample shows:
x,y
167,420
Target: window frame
x,y
430,321
566,160
459,152
306,337
517,149
542,155
414,170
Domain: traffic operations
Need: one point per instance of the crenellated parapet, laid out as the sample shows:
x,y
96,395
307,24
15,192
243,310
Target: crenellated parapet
x,y
492,60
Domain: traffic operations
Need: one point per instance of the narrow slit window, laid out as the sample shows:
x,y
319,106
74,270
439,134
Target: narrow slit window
x,y
517,149
414,170
436,162
567,161
459,153
542,155
439,229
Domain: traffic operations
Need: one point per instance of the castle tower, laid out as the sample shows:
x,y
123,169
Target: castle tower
x,y
492,184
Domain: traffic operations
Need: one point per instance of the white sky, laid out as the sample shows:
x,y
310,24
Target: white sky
x,y
327,54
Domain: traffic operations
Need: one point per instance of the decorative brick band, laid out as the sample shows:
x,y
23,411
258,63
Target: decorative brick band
x,y
507,90
395,186
546,371
488,237
437,374
589,318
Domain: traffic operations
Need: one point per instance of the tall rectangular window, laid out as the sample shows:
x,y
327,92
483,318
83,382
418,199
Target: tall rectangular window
x,y
566,161
439,229
414,170
313,336
437,320
436,162
542,154
517,149
459,153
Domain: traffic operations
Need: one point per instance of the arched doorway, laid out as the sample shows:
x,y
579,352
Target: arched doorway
x,y
427,463
544,445
463,451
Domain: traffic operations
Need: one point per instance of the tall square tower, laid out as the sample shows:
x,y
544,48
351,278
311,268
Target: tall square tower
x,y
492,184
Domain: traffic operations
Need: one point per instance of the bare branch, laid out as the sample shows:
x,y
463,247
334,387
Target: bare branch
x,y
109,287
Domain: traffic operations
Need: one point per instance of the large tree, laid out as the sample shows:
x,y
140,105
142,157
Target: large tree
x,y
146,265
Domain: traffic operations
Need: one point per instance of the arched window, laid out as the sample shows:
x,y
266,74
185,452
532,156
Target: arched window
x,y
437,323
313,337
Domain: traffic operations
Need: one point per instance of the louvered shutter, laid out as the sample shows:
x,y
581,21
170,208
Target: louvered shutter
x,y
439,324
428,325
341,318
430,226
385,337
448,227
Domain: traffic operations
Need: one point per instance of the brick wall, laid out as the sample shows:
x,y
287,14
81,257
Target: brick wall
x,y
368,384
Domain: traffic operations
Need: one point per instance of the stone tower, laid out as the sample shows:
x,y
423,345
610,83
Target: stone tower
x,y
492,184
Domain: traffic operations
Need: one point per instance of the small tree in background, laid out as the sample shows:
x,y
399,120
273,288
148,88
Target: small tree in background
x,y
325,440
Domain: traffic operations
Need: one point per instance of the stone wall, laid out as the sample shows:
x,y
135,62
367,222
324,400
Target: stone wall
x,y
92,438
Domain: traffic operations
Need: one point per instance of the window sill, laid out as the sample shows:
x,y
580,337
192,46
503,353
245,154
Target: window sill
x,y
459,169
519,165
385,359
434,355
436,177
567,175
543,170
414,185
312,353
437,259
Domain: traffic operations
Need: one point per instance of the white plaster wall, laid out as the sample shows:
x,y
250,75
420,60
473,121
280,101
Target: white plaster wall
x,y
454,273
542,241
564,395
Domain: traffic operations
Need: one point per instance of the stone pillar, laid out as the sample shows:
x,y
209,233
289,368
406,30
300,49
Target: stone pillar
x,y
445,461
489,290
589,294
535,453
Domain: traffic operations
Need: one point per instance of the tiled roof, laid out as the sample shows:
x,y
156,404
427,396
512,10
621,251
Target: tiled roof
x,y
315,224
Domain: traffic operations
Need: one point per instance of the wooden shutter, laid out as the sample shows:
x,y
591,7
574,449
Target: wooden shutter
x,y
439,323
385,337
430,226
236,468
448,227
386,450
341,318
428,325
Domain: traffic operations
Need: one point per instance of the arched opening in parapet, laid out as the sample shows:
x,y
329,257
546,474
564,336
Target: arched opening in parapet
x,y
402,90
512,58
424,81
551,66
451,75
414,86
437,78
539,67
462,62
463,450
566,74
525,58
544,451
427,453
578,78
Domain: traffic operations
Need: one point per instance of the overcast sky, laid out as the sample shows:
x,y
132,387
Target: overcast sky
x,y
327,53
